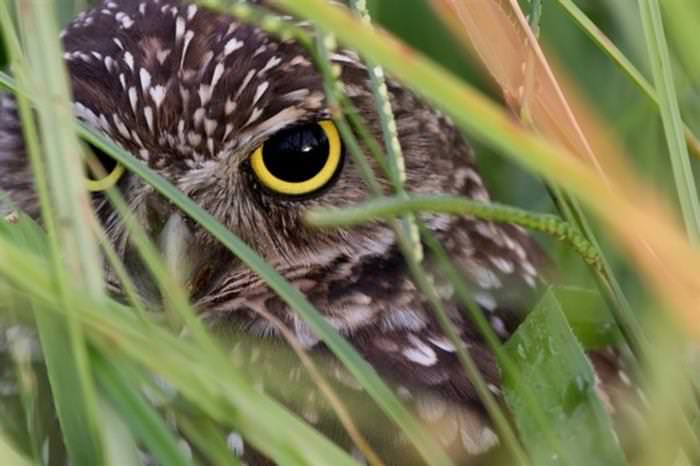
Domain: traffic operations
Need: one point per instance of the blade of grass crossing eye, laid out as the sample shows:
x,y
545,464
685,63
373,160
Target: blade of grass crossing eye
x,y
670,114
556,368
396,173
406,231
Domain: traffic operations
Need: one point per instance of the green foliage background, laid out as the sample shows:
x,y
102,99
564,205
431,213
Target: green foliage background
x,y
632,117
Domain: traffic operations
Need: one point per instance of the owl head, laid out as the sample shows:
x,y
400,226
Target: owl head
x,y
237,119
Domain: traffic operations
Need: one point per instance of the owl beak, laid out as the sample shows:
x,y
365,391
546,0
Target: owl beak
x,y
176,244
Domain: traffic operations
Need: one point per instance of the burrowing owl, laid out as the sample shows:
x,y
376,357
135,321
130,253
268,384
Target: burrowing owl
x,y
238,120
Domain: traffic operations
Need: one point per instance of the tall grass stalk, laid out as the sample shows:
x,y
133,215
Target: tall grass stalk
x,y
671,116
619,58
64,211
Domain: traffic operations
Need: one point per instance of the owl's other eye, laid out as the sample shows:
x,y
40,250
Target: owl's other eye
x,y
299,160
112,170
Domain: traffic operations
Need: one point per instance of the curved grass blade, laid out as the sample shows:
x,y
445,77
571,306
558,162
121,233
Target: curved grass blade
x,y
388,207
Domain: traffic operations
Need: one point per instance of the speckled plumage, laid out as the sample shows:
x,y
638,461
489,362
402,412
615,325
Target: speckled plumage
x,y
191,93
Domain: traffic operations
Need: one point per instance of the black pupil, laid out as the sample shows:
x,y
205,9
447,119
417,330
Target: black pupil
x,y
296,154
107,162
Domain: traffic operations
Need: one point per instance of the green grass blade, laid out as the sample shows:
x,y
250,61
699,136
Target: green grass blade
x,y
139,415
210,441
602,41
11,457
588,316
619,58
388,207
73,251
683,18
66,387
670,114
552,361
119,444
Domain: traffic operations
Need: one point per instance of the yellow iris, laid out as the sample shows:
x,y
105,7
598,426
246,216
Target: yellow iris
x,y
316,179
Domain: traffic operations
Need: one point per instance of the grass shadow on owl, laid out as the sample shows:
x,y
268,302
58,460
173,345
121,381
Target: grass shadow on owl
x,y
237,120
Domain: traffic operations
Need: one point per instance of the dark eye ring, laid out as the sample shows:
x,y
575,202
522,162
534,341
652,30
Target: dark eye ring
x,y
299,160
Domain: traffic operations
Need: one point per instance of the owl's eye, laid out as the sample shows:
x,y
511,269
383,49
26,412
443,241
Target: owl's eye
x,y
299,160
105,164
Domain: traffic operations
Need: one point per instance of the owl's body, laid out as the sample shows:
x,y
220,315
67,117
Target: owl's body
x,y
192,94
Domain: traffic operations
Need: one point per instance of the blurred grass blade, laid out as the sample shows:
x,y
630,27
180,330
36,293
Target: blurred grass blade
x,y
209,440
11,457
550,358
139,415
74,255
62,150
683,19
671,116
62,370
20,348
119,443
503,40
607,46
